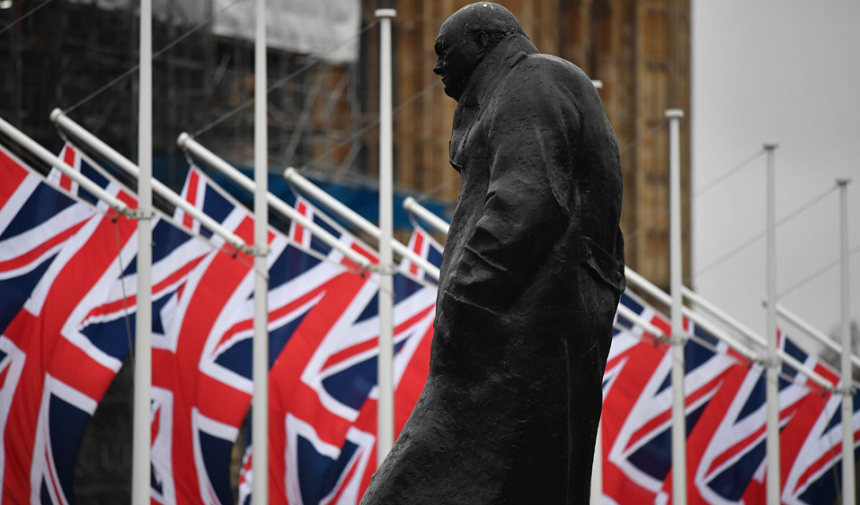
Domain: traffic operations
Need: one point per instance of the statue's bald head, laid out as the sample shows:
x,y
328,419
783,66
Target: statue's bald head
x,y
487,17
466,38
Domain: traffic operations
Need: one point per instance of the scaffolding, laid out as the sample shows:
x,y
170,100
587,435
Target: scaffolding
x,y
81,58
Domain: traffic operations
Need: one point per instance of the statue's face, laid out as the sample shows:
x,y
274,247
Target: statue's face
x,y
457,55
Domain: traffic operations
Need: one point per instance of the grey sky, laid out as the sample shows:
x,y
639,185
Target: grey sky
x,y
785,71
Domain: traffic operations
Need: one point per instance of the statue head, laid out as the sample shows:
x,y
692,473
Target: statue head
x,y
466,38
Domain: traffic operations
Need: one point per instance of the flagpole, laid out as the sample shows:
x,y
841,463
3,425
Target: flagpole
x,y
292,176
647,286
633,278
385,420
848,486
52,160
679,420
781,355
184,141
141,426
436,222
772,392
260,412
813,332
80,134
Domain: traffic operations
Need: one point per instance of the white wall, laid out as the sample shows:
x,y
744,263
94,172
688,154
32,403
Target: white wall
x,y
787,71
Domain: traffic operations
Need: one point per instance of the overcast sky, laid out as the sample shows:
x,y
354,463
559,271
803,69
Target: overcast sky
x,y
785,71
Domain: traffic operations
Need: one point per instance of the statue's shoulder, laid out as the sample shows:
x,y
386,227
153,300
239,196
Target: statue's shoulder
x,y
553,69
540,79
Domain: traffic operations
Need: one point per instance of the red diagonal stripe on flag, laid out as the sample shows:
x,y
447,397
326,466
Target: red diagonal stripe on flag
x,y
724,457
51,475
3,374
116,305
367,253
419,244
299,230
667,415
13,175
373,342
69,158
191,197
833,453
248,324
35,253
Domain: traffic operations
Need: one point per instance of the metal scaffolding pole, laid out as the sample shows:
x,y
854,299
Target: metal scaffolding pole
x,y
385,421
848,485
141,429
773,478
679,419
260,366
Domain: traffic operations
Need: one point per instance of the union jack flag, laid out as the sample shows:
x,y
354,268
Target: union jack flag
x,y
725,417
189,427
323,397
69,340
726,454
176,256
303,276
424,245
634,357
638,444
35,221
205,376
55,374
815,472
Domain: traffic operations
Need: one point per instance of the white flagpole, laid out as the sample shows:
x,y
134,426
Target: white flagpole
x,y
813,332
679,420
639,281
52,160
781,355
422,213
385,421
848,485
196,149
82,135
774,489
647,286
260,413
141,427
292,175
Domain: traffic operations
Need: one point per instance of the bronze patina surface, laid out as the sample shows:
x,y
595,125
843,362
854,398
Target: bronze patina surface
x,y
531,276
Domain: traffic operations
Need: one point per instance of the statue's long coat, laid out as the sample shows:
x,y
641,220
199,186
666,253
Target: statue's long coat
x,y
531,275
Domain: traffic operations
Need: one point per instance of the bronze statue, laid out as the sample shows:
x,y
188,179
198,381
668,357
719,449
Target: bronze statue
x,y
531,276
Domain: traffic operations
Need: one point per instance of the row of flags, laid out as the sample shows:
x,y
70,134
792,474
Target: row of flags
x,y
67,309
725,417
